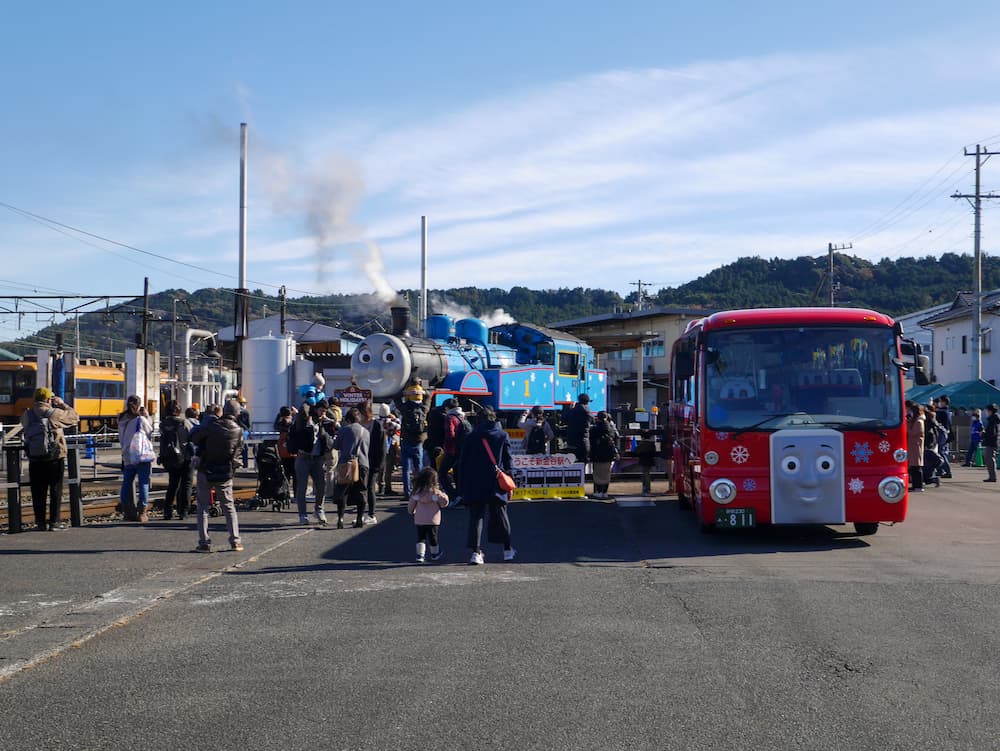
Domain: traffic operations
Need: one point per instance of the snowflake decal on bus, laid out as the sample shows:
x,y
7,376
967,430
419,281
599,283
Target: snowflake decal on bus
x,y
861,452
884,447
749,484
856,485
723,436
740,454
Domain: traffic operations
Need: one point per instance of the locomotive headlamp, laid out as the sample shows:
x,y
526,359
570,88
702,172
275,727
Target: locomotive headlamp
x,y
891,489
722,491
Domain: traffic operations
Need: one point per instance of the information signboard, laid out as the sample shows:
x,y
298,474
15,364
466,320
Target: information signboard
x,y
353,396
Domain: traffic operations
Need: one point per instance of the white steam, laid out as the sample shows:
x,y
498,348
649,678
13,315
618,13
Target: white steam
x,y
456,311
327,199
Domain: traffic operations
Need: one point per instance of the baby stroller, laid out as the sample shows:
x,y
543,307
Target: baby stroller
x,y
272,484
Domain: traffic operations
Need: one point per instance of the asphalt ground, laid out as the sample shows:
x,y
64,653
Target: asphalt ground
x,y
617,627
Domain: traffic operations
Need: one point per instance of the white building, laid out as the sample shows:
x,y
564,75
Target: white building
x,y
951,335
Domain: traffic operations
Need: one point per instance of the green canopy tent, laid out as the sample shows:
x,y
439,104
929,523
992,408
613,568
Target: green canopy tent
x,y
924,394
971,394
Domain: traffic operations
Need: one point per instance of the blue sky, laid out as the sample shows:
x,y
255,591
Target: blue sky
x,y
550,144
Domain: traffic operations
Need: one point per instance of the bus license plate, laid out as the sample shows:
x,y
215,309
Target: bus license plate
x,y
735,518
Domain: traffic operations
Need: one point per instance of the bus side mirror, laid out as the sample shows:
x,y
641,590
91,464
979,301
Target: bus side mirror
x,y
921,370
683,366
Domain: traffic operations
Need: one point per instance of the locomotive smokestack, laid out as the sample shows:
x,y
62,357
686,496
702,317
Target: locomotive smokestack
x,y
400,320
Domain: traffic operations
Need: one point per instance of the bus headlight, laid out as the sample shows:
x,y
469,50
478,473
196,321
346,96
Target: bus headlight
x,y
722,491
899,455
891,489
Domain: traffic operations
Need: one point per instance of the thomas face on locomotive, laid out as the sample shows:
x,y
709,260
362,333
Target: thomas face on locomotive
x,y
381,363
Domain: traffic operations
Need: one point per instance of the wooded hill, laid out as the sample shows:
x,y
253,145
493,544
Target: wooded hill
x,y
892,286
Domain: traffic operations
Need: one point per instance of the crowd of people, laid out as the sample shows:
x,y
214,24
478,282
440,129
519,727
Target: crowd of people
x,y
334,458
930,432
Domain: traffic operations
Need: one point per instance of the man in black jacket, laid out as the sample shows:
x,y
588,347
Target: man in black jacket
x,y
578,423
219,443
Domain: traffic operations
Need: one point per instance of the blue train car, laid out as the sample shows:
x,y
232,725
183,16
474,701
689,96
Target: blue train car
x,y
509,367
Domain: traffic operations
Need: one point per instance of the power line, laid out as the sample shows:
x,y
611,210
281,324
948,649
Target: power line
x,y
55,225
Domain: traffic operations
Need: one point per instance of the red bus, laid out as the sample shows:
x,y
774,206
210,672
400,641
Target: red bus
x,y
792,416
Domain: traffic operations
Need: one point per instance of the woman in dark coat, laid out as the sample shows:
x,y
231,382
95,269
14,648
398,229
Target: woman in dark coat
x,y
477,484
376,457
603,452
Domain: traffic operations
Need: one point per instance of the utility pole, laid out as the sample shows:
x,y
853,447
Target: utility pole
x,y
982,156
284,300
241,322
641,285
830,248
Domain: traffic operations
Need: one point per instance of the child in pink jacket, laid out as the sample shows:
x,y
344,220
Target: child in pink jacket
x,y
426,502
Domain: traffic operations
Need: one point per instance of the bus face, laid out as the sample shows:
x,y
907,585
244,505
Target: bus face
x,y
796,423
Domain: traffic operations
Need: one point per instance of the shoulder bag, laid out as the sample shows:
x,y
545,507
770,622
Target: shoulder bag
x,y
504,481
140,448
346,471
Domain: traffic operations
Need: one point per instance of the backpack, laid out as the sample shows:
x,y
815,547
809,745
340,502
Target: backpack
x,y
536,440
414,423
40,437
172,455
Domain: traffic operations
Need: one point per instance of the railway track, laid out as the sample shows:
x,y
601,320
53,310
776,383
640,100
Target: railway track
x,y
96,506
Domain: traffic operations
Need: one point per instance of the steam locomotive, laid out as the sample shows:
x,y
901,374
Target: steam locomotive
x,y
512,366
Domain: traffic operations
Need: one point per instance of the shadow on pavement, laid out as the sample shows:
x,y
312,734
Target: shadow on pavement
x,y
579,532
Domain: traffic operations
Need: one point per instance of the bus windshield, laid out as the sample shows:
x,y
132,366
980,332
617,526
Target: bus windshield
x,y
808,376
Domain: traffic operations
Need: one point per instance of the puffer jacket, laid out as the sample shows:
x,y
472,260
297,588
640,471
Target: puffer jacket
x,y
426,506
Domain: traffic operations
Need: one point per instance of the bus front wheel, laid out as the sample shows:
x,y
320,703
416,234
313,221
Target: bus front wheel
x,y
866,528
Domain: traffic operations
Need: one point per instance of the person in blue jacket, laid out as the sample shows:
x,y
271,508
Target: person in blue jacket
x,y
477,479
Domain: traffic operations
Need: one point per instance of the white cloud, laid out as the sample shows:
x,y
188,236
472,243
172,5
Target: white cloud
x,y
596,181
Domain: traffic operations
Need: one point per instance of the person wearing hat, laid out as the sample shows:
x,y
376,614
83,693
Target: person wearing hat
x,y
991,437
578,424
135,467
45,473
390,428
219,444
456,427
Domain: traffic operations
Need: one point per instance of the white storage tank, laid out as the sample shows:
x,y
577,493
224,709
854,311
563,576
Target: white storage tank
x,y
267,378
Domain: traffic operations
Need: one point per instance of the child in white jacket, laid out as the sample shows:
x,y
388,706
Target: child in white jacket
x,y
426,502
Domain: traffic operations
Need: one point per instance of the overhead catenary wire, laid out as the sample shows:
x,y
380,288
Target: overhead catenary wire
x,y
55,225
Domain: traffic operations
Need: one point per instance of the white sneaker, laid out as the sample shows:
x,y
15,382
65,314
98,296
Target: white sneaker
x,y
477,559
321,517
369,519
419,559
303,518
508,555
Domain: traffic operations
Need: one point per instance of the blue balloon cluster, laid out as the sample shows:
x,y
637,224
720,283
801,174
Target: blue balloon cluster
x,y
310,394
